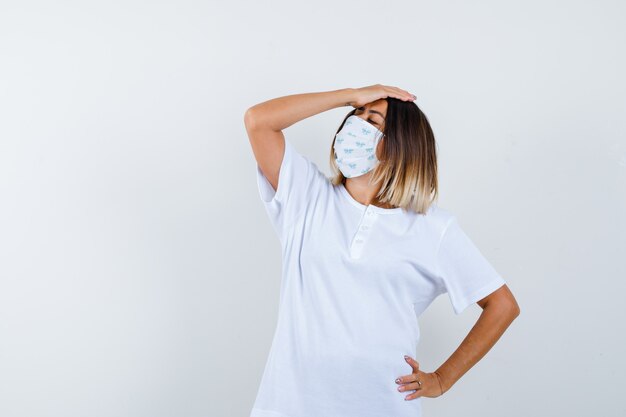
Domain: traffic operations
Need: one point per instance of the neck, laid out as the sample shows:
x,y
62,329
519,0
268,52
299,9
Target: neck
x,y
364,192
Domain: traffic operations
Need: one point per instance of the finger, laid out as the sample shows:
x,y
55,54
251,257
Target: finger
x,y
405,379
398,93
403,94
410,96
414,364
413,395
409,388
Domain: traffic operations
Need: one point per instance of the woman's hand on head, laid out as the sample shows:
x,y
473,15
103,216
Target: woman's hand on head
x,y
430,386
375,92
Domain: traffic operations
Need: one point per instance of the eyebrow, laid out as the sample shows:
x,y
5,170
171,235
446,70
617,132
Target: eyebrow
x,y
374,111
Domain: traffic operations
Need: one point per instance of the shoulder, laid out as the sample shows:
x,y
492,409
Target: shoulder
x,y
430,226
435,220
304,162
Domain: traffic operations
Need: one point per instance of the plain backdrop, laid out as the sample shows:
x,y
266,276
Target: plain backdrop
x,y
139,274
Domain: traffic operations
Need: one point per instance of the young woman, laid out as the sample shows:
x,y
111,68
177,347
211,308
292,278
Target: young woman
x,y
364,253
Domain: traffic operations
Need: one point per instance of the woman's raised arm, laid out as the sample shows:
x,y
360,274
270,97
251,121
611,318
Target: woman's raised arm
x,y
265,121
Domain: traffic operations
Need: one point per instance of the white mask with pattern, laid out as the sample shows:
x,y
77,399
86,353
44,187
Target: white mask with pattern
x,y
355,147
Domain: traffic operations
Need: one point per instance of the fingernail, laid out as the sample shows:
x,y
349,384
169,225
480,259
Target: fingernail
x,y
398,380
406,357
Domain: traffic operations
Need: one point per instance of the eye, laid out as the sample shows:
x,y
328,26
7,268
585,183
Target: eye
x,y
369,120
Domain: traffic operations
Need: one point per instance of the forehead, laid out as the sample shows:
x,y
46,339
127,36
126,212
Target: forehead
x,y
378,106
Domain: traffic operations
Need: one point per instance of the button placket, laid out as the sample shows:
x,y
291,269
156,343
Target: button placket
x,y
363,232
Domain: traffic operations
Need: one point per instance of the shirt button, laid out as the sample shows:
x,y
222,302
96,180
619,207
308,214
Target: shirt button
x,y
359,240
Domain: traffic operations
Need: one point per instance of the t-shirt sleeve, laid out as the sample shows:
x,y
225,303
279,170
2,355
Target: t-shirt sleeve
x,y
465,274
299,181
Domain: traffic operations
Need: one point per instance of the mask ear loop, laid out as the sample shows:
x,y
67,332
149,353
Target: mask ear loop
x,y
380,137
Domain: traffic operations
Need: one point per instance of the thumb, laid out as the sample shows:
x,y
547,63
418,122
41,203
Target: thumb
x,y
414,364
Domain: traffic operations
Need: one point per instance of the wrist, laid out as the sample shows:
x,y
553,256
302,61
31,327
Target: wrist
x,y
443,382
347,96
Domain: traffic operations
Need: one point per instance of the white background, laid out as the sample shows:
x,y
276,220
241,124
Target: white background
x,y
138,271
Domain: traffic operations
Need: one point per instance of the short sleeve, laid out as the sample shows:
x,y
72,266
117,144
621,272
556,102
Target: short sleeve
x,y
299,181
465,274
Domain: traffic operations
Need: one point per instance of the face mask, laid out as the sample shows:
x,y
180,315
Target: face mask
x,y
355,147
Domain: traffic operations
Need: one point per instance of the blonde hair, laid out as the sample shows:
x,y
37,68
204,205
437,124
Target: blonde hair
x,y
408,163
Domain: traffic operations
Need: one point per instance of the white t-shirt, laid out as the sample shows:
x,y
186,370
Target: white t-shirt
x,y
354,280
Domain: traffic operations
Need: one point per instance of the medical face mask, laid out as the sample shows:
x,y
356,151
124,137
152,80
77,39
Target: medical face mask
x,y
355,147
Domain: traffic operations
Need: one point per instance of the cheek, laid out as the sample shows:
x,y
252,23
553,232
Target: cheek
x,y
379,148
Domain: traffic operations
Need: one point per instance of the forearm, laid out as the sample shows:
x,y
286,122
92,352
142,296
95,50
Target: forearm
x,y
280,113
489,327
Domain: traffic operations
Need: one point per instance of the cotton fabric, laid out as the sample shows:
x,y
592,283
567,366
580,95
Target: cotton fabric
x,y
355,147
355,278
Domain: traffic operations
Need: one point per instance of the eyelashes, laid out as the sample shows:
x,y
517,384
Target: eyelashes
x,y
369,119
